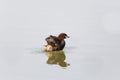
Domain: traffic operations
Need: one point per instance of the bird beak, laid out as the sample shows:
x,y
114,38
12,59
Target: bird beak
x,y
67,37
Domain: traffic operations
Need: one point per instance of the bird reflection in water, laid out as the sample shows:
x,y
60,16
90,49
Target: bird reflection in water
x,y
57,57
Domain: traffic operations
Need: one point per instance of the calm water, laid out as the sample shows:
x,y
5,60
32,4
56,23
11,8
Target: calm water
x,y
90,61
91,53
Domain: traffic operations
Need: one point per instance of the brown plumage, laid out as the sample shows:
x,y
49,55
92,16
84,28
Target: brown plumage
x,y
56,43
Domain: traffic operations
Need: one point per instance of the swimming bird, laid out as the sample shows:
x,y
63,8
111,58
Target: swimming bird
x,y
55,43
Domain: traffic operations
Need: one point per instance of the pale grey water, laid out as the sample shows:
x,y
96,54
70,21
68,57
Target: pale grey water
x,y
92,50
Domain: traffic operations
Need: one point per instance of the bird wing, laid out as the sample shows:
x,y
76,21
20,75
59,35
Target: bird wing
x,y
52,40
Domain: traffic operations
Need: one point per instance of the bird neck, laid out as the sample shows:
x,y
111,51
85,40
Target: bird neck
x,y
60,37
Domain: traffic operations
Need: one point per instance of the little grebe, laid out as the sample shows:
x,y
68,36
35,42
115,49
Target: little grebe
x,y
56,43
